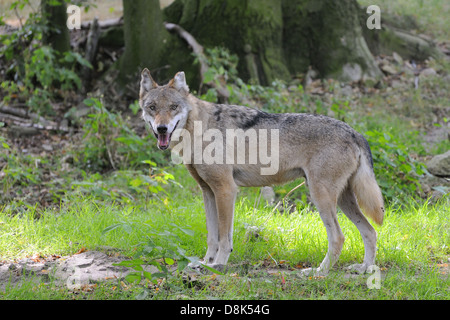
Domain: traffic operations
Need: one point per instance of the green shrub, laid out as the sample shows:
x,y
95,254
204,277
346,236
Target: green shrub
x,y
36,73
18,170
109,143
397,173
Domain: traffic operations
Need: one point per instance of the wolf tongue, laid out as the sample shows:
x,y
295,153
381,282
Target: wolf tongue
x,y
163,140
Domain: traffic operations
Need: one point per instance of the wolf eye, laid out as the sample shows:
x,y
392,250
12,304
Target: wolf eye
x,y
174,106
152,107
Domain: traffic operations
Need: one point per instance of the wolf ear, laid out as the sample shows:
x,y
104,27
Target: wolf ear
x,y
147,82
179,82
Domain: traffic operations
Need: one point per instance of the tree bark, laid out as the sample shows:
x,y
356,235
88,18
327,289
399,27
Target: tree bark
x,y
55,18
91,51
326,35
274,39
144,36
245,27
197,48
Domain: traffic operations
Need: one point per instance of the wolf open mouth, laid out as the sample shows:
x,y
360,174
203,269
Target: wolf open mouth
x,y
164,139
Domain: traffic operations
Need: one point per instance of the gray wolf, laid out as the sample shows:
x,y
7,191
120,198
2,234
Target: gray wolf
x,y
334,159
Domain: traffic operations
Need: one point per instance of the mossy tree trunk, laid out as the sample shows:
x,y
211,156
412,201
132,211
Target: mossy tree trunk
x,y
327,35
251,29
144,37
55,17
275,39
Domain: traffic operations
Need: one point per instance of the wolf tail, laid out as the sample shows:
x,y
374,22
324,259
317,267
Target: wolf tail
x,y
366,189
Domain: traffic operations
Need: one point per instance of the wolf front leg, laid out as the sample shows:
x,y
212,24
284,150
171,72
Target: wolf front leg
x,y
225,195
212,225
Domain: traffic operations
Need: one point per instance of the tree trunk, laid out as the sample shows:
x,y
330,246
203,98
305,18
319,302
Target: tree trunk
x,y
55,18
326,35
144,36
274,39
251,29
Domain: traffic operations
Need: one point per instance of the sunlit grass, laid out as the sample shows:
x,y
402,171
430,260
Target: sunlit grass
x,y
412,242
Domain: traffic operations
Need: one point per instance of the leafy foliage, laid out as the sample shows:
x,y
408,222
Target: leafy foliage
x,y
397,173
161,250
17,170
109,143
37,73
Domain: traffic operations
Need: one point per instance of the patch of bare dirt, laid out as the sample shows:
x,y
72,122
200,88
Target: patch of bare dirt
x,y
74,271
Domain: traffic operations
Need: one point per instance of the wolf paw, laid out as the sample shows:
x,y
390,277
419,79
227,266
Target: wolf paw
x,y
360,268
216,266
312,272
200,266
197,265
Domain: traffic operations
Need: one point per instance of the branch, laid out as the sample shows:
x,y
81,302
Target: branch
x,y
24,119
91,50
287,195
15,111
104,23
198,50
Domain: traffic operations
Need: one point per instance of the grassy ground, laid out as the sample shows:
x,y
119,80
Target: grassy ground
x,y
413,248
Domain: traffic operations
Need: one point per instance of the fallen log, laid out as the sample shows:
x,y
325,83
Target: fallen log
x,y
15,111
17,117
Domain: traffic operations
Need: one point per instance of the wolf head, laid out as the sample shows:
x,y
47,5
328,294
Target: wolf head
x,y
164,108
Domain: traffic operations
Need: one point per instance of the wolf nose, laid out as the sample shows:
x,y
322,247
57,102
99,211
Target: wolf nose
x,y
162,129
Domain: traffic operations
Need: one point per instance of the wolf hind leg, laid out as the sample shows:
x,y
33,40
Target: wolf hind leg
x,y
325,199
348,204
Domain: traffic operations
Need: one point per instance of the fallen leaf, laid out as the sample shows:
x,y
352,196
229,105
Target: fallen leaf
x,y
37,258
212,277
83,249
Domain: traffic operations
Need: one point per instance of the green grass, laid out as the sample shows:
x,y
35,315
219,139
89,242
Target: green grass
x,y
412,242
30,290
